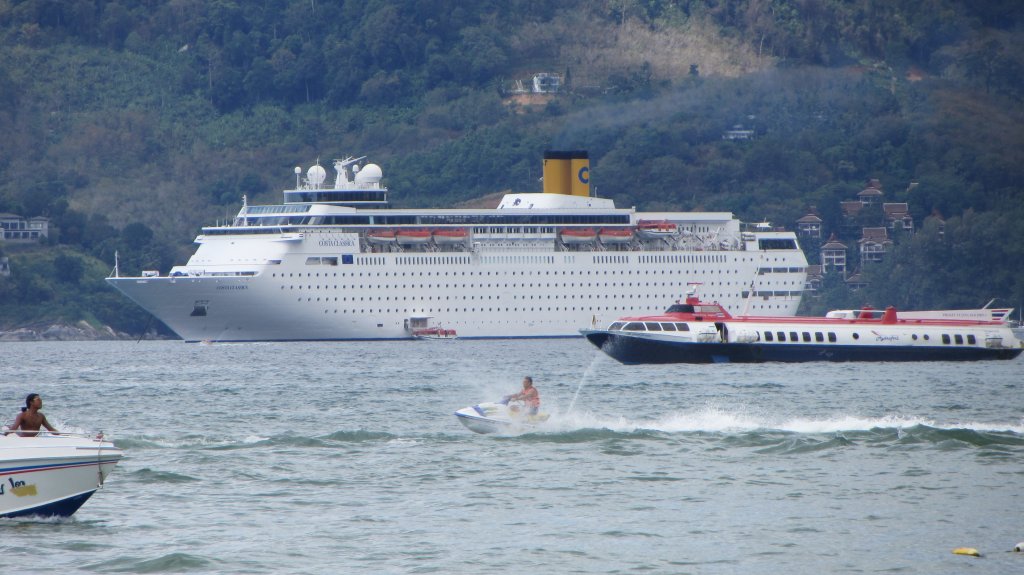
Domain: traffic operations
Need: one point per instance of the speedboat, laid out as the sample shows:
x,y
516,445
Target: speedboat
x,y
498,417
51,475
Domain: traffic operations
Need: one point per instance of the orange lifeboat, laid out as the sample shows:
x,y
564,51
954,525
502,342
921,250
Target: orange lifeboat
x,y
578,235
653,229
381,236
615,235
413,237
450,236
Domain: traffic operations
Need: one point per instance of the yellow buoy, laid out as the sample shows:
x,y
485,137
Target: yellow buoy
x,y
966,551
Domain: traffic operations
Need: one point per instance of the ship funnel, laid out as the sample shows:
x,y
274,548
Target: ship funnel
x,y
579,173
567,173
556,172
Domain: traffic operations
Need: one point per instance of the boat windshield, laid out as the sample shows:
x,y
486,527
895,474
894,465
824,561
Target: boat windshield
x,y
680,308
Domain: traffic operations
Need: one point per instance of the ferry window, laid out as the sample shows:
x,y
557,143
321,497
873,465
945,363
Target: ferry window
x,y
793,336
807,336
945,338
970,339
768,336
832,336
856,335
818,336
914,337
781,335
959,339
635,326
653,326
616,326
668,327
683,326
926,337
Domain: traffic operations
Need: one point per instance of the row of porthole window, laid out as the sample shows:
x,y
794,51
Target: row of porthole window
x,y
471,298
512,273
483,286
471,310
806,337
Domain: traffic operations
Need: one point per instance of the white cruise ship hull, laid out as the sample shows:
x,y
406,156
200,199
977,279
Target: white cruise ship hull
x,y
497,295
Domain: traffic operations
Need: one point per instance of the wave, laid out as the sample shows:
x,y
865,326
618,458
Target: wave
x,y
147,475
791,435
170,563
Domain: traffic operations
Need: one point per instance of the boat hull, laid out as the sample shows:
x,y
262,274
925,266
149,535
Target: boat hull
x,y
487,418
51,476
640,349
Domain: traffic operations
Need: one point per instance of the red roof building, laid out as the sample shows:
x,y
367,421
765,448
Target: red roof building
x,y
874,243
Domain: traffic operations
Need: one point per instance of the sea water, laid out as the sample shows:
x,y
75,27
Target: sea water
x,y
346,458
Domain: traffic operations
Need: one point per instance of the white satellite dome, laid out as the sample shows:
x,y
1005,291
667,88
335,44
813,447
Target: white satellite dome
x,y
369,174
316,175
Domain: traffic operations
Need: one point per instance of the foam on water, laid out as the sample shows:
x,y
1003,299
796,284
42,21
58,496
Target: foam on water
x,y
714,419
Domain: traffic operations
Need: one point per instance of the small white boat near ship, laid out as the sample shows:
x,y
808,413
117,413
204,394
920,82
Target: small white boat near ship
x,y
704,332
498,417
434,333
51,475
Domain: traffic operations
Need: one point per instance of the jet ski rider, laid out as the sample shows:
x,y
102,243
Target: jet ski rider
x,y
529,395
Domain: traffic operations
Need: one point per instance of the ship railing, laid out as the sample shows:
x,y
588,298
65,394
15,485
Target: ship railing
x,y
7,431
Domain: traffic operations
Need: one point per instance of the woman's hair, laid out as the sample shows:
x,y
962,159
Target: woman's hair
x,y
28,401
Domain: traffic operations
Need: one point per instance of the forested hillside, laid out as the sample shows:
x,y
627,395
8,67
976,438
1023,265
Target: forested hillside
x,y
131,123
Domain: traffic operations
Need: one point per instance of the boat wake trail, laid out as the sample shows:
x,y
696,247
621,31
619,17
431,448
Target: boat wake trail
x,y
711,419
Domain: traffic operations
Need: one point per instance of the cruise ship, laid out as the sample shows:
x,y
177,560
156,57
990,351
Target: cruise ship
x,y
334,262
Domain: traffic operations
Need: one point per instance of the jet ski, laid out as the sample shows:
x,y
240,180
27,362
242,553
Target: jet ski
x,y
498,417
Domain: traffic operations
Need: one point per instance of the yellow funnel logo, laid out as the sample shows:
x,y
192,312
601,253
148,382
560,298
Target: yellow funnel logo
x,y
583,175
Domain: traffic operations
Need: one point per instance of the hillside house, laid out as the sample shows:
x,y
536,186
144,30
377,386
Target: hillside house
x,y
809,226
546,83
856,281
870,196
833,256
18,229
814,278
738,132
897,217
874,243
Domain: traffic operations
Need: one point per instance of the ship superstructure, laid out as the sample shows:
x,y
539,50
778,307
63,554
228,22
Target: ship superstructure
x,y
334,262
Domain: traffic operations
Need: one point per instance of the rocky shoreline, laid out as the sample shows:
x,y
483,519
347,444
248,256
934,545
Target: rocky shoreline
x,y
80,331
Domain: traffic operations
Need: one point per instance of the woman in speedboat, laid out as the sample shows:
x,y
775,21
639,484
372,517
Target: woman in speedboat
x,y
30,420
529,395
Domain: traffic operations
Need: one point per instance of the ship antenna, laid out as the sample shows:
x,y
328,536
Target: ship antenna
x,y
116,272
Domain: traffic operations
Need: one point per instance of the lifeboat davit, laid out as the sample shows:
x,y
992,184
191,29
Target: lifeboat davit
x,y
615,235
578,235
381,236
450,236
654,229
413,237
